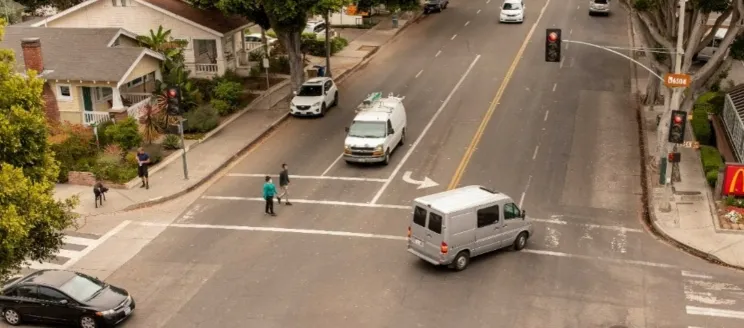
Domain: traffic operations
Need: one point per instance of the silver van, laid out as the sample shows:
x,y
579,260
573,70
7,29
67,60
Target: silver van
x,y
450,227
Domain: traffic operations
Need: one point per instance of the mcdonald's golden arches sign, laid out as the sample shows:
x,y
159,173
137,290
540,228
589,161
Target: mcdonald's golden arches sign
x,y
733,180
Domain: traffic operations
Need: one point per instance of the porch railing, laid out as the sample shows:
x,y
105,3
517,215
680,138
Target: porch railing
x,y
135,97
90,118
135,111
206,68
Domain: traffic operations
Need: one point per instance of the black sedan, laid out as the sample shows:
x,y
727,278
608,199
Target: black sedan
x,y
64,297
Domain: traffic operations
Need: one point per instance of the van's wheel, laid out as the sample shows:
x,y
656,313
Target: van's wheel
x,y
322,110
87,322
402,138
12,317
461,261
335,99
520,242
387,158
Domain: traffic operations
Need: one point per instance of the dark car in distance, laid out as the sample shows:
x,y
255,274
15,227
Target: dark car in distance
x,y
435,5
65,298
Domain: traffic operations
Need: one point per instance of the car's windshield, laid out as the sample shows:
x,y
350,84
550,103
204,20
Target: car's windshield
x,y
310,91
601,2
81,288
511,6
367,129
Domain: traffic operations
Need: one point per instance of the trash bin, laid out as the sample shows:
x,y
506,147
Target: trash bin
x,y
321,70
395,21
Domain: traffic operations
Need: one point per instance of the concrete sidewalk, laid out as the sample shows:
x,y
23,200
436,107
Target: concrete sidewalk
x,y
222,146
692,222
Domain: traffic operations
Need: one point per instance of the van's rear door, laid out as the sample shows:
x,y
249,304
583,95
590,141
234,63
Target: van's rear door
x,y
426,233
418,229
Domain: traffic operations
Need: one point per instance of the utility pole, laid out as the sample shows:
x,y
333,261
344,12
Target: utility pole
x,y
183,149
327,45
674,103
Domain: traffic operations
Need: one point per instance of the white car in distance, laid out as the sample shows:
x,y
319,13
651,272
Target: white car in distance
x,y
316,96
512,11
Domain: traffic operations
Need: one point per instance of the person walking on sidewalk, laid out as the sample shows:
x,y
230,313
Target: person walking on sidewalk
x,y
284,185
269,191
143,159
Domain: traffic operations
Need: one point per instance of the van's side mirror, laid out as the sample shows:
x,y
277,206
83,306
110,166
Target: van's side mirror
x,y
391,131
524,214
294,93
346,129
63,302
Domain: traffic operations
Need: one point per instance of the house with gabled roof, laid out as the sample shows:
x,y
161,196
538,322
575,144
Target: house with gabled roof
x,y
91,74
215,41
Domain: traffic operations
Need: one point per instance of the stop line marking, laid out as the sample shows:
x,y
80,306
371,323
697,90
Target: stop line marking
x,y
388,237
306,177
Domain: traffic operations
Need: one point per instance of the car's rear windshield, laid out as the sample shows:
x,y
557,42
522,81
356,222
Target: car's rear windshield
x,y
419,216
601,2
435,222
81,288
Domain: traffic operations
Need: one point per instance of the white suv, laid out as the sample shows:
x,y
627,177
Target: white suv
x,y
315,97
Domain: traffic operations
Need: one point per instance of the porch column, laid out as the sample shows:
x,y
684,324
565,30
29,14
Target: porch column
x,y
158,75
116,103
220,56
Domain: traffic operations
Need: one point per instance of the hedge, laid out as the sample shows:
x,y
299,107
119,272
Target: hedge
x,y
701,126
711,158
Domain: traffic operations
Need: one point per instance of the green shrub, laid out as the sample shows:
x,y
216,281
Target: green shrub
x,y
271,34
705,98
316,47
338,44
74,148
205,86
711,158
201,120
111,168
125,133
228,91
279,64
706,107
223,107
712,177
103,140
230,75
172,142
701,127
718,102
155,152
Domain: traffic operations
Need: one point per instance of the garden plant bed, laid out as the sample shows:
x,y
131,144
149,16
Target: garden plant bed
x,y
258,83
731,217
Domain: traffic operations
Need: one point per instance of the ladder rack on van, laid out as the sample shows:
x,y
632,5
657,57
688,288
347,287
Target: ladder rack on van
x,y
375,102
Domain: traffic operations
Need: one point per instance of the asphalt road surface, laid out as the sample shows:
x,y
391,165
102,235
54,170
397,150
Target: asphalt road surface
x,y
560,138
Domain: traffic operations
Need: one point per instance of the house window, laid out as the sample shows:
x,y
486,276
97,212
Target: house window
x,y
120,3
137,81
102,93
64,92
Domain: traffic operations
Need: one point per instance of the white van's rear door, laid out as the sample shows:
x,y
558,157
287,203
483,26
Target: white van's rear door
x,y
426,234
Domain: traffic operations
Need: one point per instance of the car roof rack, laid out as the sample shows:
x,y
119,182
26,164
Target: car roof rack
x,y
374,102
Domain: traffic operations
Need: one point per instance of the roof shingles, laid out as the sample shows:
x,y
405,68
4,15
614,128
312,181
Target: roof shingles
x,y
211,18
74,53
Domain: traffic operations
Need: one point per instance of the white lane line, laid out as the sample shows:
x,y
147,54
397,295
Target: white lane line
x,y
272,229
453,37
306,177
562,60
467,23
66,253
417,75
527,187
690,274
534,154
572,62
488,1
606,259
567,43
423,133
570,32
711,312
438,53
328,169
589,225
546,115
96,243
555,85
311,201
77,240
380,236
478,12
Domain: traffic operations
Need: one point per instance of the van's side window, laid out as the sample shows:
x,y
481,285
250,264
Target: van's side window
x,y
511,211
488,216
435,223
389,126
419,216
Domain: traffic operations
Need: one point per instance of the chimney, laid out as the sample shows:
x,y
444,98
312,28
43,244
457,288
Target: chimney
x,y
32,54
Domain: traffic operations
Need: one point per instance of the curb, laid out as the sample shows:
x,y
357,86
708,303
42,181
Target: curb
x,y
263,134
649,216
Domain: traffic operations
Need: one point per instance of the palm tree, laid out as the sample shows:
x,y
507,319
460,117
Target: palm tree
x,y
162,42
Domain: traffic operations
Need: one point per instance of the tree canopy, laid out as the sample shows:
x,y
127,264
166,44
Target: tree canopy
x,y
32,5
31,220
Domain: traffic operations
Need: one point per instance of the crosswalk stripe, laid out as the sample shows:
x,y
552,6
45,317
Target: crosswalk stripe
x,y
78,240
607,227
711,312
44,266
690,274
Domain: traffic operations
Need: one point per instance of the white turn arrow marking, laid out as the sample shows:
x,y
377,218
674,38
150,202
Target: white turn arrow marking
x,y
426,183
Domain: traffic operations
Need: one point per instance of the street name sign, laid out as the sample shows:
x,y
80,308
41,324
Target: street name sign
x,y
692,144
677,80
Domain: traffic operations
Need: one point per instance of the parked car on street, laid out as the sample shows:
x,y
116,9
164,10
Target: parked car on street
x,y
316,96
435,5
318,27
64,297
256,38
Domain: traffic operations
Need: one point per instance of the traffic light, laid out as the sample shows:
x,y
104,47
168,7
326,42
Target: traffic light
x,y
553,45
173,95
677,127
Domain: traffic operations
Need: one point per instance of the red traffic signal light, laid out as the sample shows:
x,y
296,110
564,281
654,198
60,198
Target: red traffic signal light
x,y
172,92
552,37
677,119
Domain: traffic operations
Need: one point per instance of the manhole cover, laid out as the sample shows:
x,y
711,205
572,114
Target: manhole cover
x,y
367,48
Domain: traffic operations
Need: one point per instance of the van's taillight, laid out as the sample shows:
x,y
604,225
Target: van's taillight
x,y
409,231
444,248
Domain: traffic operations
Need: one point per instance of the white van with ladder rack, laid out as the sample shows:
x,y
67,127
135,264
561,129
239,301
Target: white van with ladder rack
x,y
377,130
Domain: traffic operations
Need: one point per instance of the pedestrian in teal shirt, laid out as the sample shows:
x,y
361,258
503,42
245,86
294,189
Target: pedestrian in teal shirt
x,y
269,191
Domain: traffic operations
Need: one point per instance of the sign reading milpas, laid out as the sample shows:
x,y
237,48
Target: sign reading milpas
x,y
733,180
